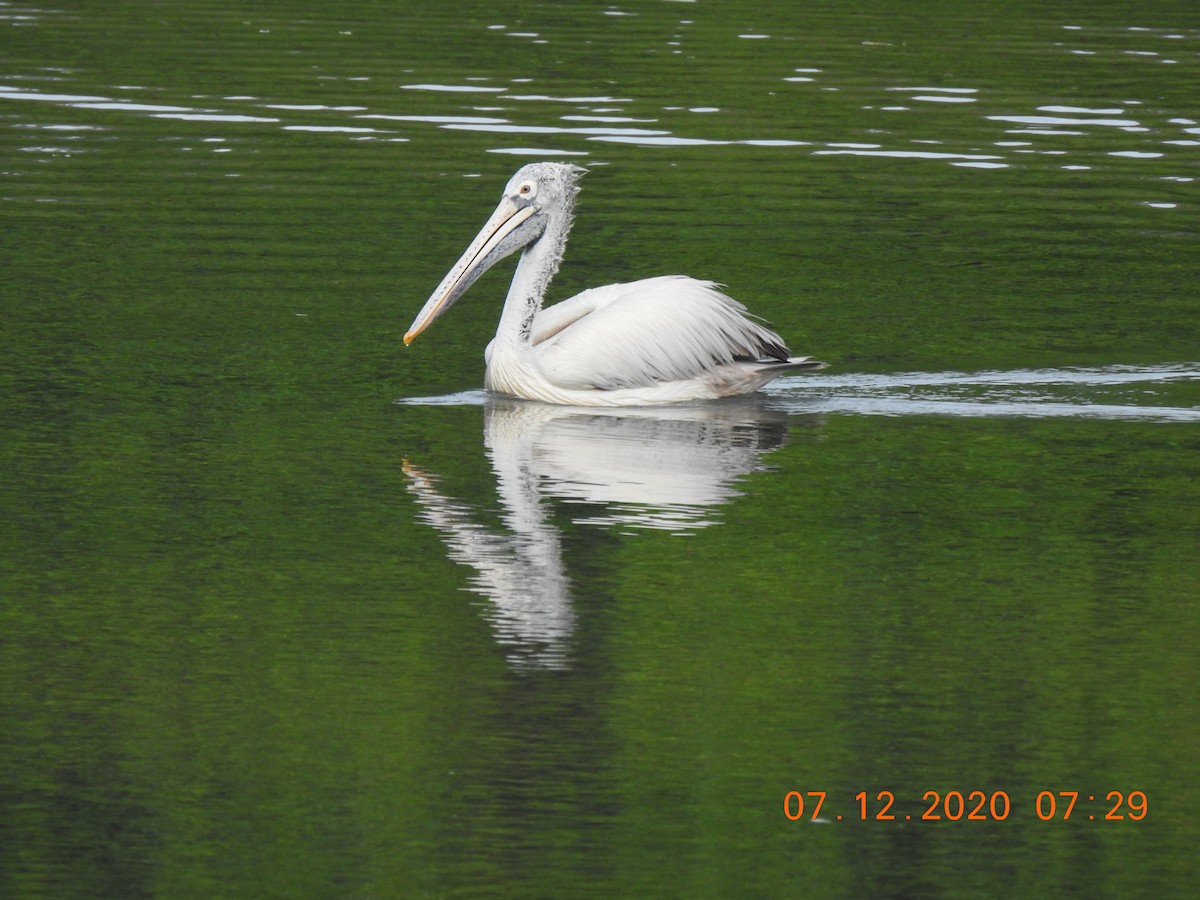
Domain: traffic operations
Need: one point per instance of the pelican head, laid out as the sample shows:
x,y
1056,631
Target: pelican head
x,y
538,195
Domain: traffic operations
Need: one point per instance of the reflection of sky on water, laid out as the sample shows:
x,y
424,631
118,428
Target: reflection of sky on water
x,y
590,123
1071,137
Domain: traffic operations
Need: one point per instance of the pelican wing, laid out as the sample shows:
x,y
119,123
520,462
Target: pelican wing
x,y
550,321
644,333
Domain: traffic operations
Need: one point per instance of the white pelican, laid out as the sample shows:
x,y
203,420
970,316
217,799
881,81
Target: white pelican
x,y
658,340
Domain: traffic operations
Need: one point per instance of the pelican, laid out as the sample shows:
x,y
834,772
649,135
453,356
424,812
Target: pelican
x,y
658,340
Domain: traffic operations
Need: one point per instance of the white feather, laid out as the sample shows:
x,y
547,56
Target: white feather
x,y
643,333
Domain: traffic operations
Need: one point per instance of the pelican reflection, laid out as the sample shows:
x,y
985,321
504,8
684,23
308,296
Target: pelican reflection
x,y
663,468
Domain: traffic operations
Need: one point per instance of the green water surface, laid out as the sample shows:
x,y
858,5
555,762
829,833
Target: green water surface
x,y
267,632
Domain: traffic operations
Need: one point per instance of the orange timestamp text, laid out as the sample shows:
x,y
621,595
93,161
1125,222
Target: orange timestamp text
x,y
972,806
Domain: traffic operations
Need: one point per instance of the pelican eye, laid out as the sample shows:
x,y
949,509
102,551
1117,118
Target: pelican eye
x,y
527,189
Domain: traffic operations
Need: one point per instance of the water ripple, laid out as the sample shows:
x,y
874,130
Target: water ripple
x,y
1087,124
1021,393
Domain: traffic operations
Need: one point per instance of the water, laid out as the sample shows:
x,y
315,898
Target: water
x,y
288,609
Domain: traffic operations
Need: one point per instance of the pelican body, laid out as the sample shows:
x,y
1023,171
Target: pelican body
x,y
658,340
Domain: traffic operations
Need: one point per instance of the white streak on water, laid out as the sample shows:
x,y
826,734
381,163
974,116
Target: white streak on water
x,y
1019,393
